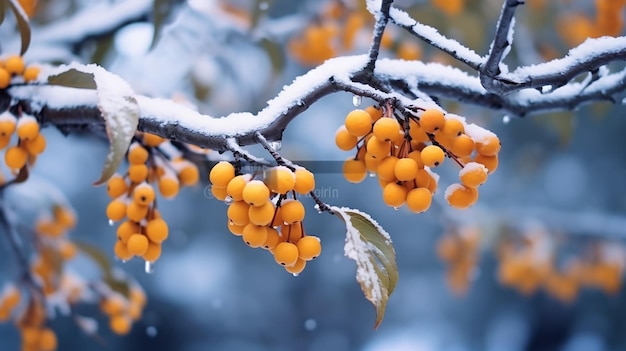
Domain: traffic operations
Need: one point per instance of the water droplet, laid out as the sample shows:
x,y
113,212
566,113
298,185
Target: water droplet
x,y
356,100
317,208
263,6
228,200
506,119
310,324
372,174
294,274
396,208
276,145
111,223
151,331
149,267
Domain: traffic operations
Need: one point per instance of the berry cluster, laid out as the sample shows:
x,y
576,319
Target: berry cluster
x,y
266,213
122,310
30,142
151,160
14,67
402,154
459,250
9,299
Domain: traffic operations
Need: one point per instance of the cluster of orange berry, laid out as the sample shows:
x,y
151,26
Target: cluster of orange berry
x,y
529,265
459,250
264,214
402,154
123,310
9,299
133,195
36,336
30,142
14,67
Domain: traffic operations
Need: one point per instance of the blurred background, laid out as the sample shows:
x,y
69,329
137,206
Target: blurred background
x,y
560,188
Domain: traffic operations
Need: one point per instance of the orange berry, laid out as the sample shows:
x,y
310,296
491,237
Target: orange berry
x,y
116,186
394,195
297,267
14,64
219,192
432,156
157,230
387,169
378,148
416,155
409,51
222,173
234,189
120,324
462,146
168,186
65,216
30,73
116,210
254,235
235,229
273,238
375,112
5,78
417,133
292,211
406,169
238,213
354,170
68,250
137,154
144,194
280,179
7,124
137,244
286,254
344,140
473,174
126,229
136,212
27,127
31,336
419,200
291,232
255,193
452,127
121,251
305,181
262,215
461,197
488,145
10,297
432,120
371,163
137,173
189,174
15,157
491,162
153,252
152,140
35,146
309,247
386,129
358,122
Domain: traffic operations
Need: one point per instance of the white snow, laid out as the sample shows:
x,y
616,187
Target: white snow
x,y
478,133
452,188
471,166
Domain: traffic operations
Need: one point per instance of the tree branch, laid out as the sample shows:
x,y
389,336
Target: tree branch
x,y
382,18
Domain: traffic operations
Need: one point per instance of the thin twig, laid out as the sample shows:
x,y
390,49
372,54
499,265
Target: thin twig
x,y
382,18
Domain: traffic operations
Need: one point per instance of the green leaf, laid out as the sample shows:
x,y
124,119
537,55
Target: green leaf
x,y
73,78
369,245
115,282
160,10
3,9
22,24
275,53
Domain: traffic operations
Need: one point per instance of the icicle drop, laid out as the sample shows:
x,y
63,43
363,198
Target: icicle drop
x,y
111,223
294,274
356,100
506,119
149,268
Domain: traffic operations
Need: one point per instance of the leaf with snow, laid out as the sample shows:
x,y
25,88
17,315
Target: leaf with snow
x,y
117,104
22,24
369,245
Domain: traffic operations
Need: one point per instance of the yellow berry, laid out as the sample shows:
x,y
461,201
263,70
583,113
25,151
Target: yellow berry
x,y
7,125
255,193
152,140
378,148
406,169
126,229
137,173
432,156
238,213
488,145
15,157
452,127
416,155
354,170
189,174
31,73
386,129
286,254
375,112
462,146
280,179
137,244
273,238
417,133
305,181
292,211
5,78
121,251
473,174
235,229
219,192
419,200
491,162
31,336
461,197
36,145
137,154
344,140
157,230
47,340
116,186
297,267
144,194
222,173
136,212
358,122
116,210
432,120
309,247
168,186
27,127
262,215
120,324
153,252
14,64
387,169
254,235
291,232
394,194
371,163
234,189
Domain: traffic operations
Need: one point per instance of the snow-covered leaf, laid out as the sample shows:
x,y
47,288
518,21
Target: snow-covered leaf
x,y
73,78
369,245
117,104
22,24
